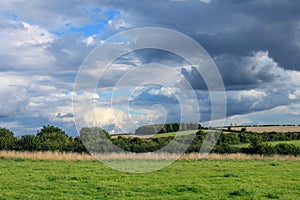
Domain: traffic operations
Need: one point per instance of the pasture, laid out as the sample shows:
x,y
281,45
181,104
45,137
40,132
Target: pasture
x,y
184,179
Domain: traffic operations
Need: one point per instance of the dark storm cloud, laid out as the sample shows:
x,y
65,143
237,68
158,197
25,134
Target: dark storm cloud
x,y
243,73
226,27
194,78
249,72
279,40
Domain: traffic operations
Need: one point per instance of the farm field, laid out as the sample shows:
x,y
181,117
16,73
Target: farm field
x,y
184,179
159,135
261,129
256,129
175,133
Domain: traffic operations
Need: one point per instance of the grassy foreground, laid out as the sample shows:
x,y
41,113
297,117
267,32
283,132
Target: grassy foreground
x,y
184,179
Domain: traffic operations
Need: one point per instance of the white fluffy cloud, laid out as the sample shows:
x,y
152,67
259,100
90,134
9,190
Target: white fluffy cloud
x,y
23,47
252,95
295,95
14,95
162,91
37,72
118,23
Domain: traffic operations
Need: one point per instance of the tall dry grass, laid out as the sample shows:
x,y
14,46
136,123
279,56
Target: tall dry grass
x,y
153,156
48,155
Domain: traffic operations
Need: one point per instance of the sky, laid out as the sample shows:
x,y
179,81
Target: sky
x,y
255,45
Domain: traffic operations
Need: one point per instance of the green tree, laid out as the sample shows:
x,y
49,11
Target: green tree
x,y
28,143
255,141
52,138
76,146
96,139
7,139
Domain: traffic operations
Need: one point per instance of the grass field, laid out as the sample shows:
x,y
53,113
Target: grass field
x,y
185,179
175,133
295,142
160,134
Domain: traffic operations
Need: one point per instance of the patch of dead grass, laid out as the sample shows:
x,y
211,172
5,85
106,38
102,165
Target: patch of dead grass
x,y
140,156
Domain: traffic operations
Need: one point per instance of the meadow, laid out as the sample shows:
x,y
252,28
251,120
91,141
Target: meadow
x,y
52,165
185,179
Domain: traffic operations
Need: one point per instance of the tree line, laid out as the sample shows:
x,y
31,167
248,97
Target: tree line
x,y
51,138
48,138
166,128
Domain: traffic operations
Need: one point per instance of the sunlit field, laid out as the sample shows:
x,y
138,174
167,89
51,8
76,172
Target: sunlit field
x,y
261,129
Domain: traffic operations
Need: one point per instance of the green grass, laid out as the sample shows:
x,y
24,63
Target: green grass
x,y
295,142
204,179
175,133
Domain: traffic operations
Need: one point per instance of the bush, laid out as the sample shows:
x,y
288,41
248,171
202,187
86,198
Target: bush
x,y
230,138
225,148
